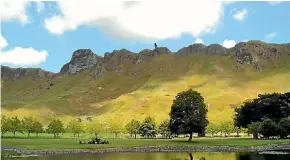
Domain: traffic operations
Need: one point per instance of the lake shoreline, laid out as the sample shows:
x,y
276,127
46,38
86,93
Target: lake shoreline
x,y
25,151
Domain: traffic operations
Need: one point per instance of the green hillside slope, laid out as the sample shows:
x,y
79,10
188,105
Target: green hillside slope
x,y
134,90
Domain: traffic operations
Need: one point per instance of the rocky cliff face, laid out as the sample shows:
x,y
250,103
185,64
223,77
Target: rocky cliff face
x,y
18,73
200,48
82,59
255,51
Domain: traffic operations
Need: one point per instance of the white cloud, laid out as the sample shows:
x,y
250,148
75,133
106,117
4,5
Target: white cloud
x,y
274,2
23,56
13,10
229,43
198,40
270,36
39,6
3,42
145,20
244,40
241,14
19,56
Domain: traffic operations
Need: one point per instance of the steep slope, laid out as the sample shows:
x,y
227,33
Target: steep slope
x,y
128,85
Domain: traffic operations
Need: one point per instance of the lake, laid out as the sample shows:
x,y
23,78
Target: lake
x,y
170,156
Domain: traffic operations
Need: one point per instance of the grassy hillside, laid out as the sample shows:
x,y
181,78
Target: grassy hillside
x,y
147,88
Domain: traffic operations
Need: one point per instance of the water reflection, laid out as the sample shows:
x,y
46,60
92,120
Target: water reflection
x,y
167,156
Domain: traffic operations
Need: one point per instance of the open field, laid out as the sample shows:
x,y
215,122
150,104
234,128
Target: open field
x,y
73,143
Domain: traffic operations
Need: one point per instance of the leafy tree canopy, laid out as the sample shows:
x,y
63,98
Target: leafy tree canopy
x,y
148,128
274,106
55,127
188,113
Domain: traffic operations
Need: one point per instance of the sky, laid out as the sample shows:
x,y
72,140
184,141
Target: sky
x,y
45,34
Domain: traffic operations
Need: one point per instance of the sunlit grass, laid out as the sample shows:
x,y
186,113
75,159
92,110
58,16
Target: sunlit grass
x,y
73,143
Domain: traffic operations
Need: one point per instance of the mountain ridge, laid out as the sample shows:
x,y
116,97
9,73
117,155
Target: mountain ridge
x,y
185,51
129,85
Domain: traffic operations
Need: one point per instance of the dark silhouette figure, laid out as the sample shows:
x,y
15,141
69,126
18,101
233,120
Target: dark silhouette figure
x,y
155,45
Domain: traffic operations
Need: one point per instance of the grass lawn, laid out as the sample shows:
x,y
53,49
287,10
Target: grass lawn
x,y
73,143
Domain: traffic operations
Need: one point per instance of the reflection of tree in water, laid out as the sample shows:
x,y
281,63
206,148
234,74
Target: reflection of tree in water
x,y
191,157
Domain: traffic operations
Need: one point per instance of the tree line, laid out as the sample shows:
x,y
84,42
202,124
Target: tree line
x,y
267,116
148,128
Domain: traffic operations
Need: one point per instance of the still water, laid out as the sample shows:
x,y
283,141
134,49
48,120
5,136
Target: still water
x,y
170,156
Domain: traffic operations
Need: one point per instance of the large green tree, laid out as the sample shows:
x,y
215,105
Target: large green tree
x,y
55,127
148,128
274,106
133,127
188,114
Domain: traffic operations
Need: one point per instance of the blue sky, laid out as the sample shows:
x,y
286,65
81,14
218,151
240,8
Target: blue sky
x,y
44,34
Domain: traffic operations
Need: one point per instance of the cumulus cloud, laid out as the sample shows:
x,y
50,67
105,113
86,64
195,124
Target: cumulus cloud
x,y
229,43
270,36
23,56
198,40
144,20
3,42
240,14
13,10
19,56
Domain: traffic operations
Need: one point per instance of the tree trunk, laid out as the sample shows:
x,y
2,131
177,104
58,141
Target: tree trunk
x,y
131,134
190,137
255,135
238,133
28,134
14,134
36,134
116,134
135,135
54,135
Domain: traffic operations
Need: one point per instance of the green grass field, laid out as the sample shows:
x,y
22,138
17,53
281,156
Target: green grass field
x,y
73,143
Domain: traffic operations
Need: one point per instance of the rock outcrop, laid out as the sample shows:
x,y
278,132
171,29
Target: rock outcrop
x,y
82,59
254,51
200,48
18,73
